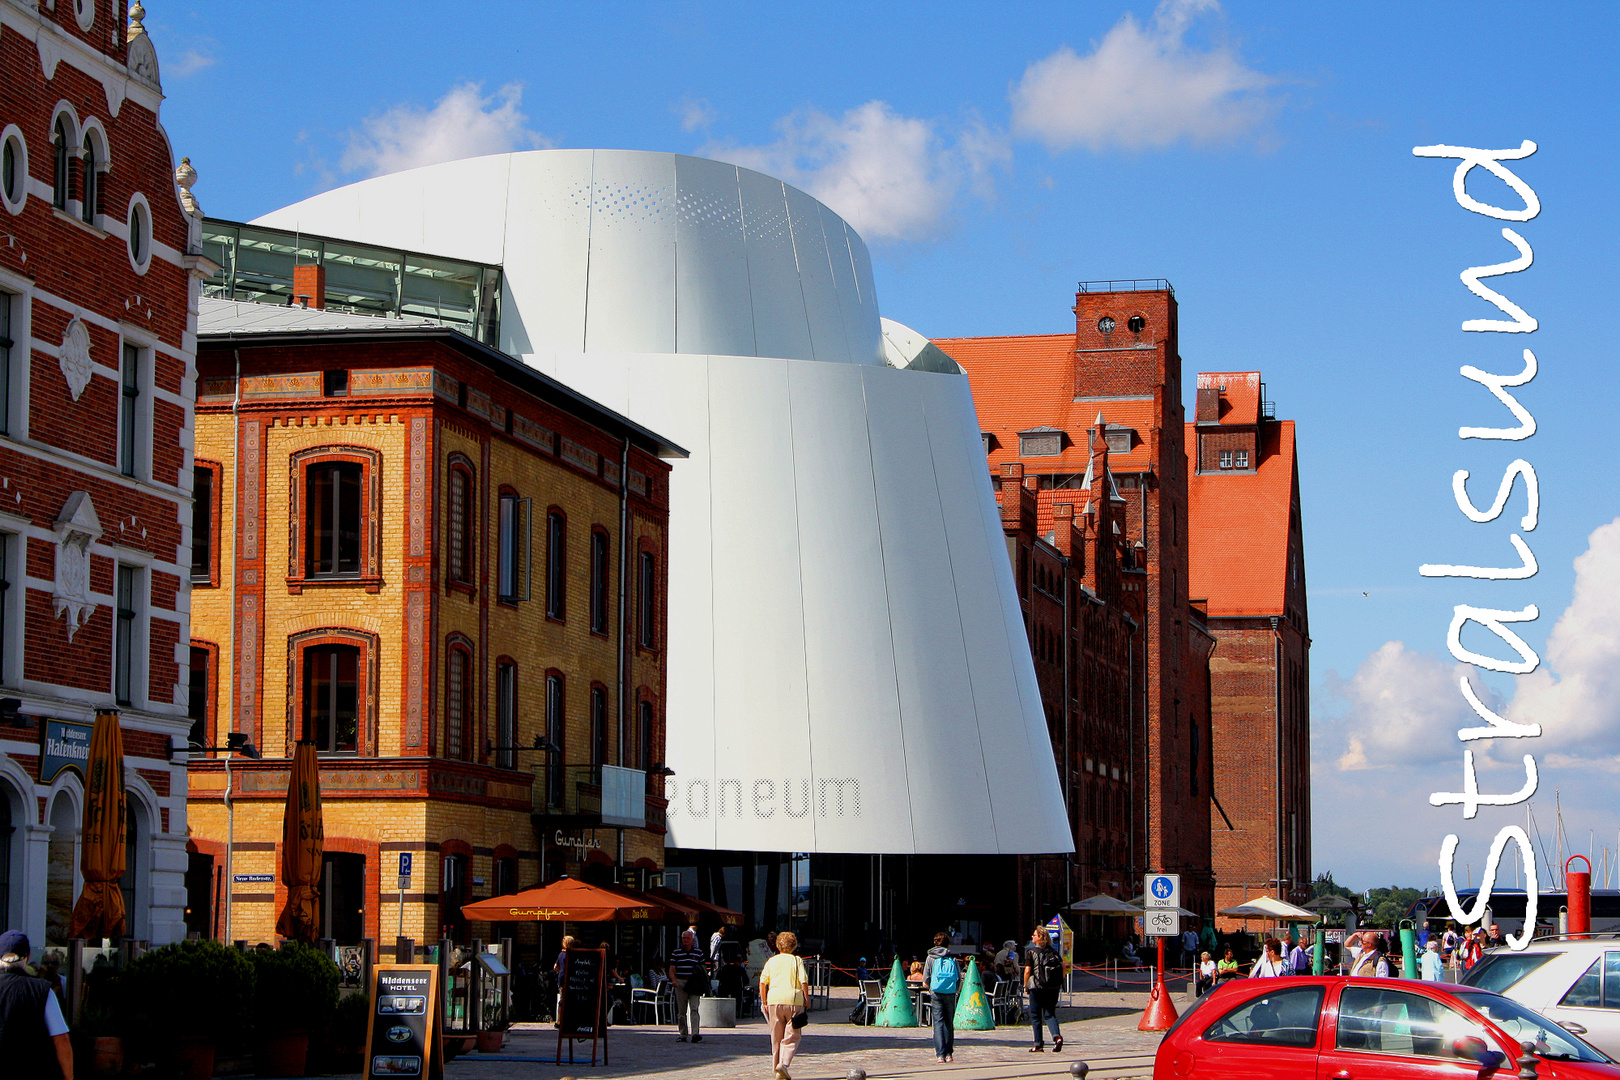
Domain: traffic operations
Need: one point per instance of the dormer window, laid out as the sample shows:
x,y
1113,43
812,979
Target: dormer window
x,y
1226,459
1242,460
1040,442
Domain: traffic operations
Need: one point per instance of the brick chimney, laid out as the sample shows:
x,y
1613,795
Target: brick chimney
x,y
309,286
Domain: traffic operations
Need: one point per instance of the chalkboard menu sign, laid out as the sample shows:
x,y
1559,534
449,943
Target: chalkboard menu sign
x,y
580,1015
402,1035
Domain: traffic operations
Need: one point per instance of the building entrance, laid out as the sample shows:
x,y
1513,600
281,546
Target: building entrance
x,y
343,897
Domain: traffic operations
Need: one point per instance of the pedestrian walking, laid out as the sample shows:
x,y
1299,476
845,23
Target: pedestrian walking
x,y
1299,960
1043,978
33,1032
1271,964
1430,965
943,979
1189,948
781,988
691,978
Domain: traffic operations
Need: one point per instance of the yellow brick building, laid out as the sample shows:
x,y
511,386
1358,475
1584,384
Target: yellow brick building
x,y
449,572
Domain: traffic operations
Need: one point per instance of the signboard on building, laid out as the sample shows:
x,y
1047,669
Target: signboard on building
x,y
403,1031
63,744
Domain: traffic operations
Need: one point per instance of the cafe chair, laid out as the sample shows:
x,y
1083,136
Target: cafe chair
x,y
871,997
659,1001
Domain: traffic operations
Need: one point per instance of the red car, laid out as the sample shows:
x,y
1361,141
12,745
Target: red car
x,y
1336,1028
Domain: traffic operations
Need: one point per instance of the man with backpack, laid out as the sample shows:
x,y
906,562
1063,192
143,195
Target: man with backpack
x,y
943,979
1043,978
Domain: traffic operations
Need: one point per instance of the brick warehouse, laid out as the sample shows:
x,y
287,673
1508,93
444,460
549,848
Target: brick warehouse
x,y
1039,398
99,276
449,571
1248,559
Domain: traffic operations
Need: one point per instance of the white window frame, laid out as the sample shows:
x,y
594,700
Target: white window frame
x,y
13,134
92,136
13,544
143,262
145,387
139,644
13,406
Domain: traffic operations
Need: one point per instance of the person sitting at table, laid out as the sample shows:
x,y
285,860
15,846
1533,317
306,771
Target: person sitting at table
x,y
1129,953
1228,968
915,975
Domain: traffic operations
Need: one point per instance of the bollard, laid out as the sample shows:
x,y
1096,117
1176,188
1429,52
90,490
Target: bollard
x,y
368,962
475,988
241,945
1527,1061
1408,932
1578,887
404,951
1318,953
75,978
1079,1069
856,1073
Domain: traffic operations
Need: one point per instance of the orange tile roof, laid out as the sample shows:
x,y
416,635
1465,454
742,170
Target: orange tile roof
x,y
1238,528
1240,392
1028,381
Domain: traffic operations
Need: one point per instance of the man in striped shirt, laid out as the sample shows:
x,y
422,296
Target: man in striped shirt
x,y
686,968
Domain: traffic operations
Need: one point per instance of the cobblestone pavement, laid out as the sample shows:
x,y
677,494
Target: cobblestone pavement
x,y
1099,1029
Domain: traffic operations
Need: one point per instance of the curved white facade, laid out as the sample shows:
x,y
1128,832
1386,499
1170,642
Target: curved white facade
x,y
848,667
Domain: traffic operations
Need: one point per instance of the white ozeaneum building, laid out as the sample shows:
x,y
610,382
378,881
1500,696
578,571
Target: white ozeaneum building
x,y
848,665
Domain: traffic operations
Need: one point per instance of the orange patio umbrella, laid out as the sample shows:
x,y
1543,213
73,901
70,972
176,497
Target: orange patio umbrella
x,y
565,900
302,837
100,910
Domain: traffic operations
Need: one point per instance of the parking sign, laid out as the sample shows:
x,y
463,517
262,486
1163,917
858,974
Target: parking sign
x,y
405,865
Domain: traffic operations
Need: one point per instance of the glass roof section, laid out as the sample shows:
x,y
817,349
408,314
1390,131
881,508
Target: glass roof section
x,y
256,264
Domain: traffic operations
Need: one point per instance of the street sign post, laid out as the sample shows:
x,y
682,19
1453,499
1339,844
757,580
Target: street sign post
x,y
404,882
1161,918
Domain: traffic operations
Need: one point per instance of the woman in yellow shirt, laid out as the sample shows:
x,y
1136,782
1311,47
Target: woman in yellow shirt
x,y
781,989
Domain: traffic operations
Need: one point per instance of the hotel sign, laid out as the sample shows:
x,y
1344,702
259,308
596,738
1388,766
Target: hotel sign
x,y
63,744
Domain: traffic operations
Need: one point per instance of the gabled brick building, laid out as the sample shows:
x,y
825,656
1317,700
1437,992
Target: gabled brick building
x,y
1248,562
99,276
1039,399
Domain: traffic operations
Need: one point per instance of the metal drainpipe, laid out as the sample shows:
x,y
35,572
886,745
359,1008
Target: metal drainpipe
x,y
236,679
624,585
1277,705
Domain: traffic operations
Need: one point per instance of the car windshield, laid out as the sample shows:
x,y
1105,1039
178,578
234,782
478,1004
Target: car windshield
x,y
1500,970
1524,1025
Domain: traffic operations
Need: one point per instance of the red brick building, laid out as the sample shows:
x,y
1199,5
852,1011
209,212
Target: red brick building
x,y
1039,399
1248,561
98,288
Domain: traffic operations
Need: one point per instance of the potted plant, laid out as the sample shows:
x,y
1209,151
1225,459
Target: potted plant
x,y
98,1044
295,991
180,1000
345,1043
493,1038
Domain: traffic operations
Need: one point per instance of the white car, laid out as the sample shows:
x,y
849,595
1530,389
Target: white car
x,y
1574,982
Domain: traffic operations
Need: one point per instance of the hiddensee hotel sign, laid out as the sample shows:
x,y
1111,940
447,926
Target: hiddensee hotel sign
x,y
63,744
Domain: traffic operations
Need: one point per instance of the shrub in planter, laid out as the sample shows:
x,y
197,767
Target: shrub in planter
x,y
189,988
343,1048
295,989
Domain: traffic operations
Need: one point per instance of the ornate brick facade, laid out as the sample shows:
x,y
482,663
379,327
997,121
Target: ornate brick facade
x,y
98,287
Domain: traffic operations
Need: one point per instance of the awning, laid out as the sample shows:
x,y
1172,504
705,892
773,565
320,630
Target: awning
x,y
702,909
1269,907
1102,904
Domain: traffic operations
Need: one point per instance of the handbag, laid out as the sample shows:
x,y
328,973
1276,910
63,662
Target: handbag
x,y
802,1017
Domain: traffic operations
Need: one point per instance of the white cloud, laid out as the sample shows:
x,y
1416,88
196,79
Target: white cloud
x,y
464,123
1141,88
696,114
1402,707
892,177
1578,708
188,63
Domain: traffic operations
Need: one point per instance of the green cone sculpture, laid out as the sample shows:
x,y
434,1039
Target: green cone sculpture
x,y
896,1009
973,1004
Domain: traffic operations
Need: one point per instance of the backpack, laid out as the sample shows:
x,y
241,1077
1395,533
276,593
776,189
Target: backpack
x,y
946,976
1046,968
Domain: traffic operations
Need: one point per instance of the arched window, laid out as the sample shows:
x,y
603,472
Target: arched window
x,y
460,523
506,713
91,209
556,732
63,155
556,565
458,733
599,582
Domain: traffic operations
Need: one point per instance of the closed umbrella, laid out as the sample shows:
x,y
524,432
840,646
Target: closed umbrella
x,y
100,910
302,838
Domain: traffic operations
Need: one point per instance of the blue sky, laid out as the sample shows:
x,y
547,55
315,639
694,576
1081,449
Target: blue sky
x,y
1256,154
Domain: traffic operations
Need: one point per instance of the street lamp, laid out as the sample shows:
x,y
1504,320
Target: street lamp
x,y
236,742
